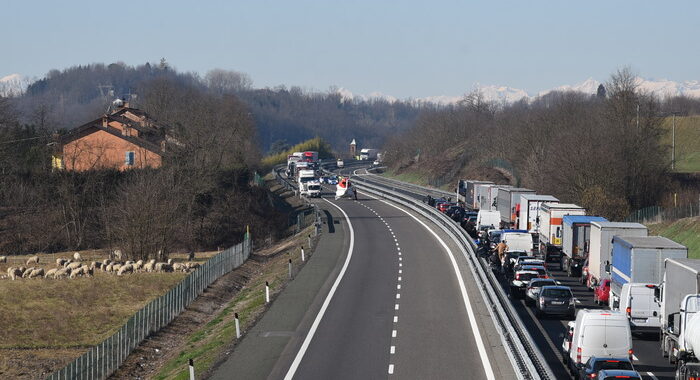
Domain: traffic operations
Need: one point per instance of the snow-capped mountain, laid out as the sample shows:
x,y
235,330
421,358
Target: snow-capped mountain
x,y
13,85
661,88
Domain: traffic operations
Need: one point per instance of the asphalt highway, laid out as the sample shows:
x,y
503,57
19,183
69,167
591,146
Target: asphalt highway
x,y
384,296
548,332
397,310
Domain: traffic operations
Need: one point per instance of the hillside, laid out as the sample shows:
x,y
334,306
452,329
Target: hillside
x,y
684,231
687,142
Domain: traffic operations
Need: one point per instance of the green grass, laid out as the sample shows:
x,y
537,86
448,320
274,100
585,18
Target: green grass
x,y
687,142
684,231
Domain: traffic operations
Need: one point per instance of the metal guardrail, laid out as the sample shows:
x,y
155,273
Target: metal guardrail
x,y
526,358
100,361
303,218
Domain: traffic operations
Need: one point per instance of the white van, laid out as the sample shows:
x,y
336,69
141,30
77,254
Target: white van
x,y
637,302
599,333
518,241
488,218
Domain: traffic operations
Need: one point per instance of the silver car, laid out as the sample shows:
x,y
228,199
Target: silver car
x,y
532,292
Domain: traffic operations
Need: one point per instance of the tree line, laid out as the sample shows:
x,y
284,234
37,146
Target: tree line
x,y
603,151
203,196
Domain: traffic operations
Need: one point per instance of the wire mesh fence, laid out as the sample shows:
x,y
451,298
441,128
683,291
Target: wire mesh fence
x,y
656,214
100,361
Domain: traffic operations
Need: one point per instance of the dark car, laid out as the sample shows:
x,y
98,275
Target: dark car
x,y
557,300
590,369
616,374
532,292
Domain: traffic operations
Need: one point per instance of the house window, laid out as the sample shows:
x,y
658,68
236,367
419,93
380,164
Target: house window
x,y
129,160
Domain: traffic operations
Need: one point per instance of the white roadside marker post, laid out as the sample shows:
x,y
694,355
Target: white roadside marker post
x,y
238,327
302,254
267,292
290,269
191,369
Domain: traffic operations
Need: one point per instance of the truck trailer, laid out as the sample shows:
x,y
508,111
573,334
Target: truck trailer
x,y
679,295
640,259
550,238
576,238
507,203
466,191
482,201
601,246
529,216
368,154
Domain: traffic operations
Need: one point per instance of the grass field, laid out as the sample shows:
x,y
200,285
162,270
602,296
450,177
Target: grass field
x,y
687,142
59,319
684,231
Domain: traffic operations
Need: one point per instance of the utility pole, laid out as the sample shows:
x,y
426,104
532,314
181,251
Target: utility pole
x,y
673,143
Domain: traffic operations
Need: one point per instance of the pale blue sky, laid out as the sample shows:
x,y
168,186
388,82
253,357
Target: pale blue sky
x,y
401,48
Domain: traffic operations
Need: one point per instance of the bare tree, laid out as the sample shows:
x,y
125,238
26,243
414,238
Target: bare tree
x,y
222,81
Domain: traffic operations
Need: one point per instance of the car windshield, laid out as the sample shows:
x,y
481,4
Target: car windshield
x,y
612,364
557,293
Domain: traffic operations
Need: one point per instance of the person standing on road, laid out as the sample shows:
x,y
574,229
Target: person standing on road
x,y
501,248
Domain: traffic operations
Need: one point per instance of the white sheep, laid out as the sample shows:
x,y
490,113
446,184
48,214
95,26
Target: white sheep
x,y
38,272
87,270
3,259
27,272
105,262
60,262
126,268
77,257
163,267
170,261
192,265
150,265
116,266
61,273
138,265
67,262
51,273
14,272
33,259
75,265
76,272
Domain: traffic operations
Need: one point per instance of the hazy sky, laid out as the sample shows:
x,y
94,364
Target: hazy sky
x,y
401,48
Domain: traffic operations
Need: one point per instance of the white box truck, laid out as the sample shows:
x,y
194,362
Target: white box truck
x,y
601,246
493,196
306,177
550,237
599,333
508,201
466,191
679,295
637,267
482,196
529,216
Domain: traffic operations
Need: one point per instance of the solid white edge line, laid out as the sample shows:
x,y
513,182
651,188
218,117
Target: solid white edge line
x,y
652,376
307,341
470,312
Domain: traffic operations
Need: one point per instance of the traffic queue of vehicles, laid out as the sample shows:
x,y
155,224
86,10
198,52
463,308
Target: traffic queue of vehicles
x,y
648,282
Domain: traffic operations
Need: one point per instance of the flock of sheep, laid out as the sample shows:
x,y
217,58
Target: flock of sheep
x,y
76,267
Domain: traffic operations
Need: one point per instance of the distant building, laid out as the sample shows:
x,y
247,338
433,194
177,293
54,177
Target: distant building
x,y
124,139
353,148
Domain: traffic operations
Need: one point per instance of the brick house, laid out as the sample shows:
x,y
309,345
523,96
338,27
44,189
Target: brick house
x,y
124,139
